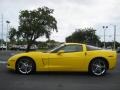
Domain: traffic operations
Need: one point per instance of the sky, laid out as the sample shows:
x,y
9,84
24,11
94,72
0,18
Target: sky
x,y
70,15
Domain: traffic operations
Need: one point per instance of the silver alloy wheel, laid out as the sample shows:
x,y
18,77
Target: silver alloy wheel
x,y
25,66
98,67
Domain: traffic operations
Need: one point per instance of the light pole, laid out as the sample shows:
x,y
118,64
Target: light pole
x,y
114,41
2,33
104,27
7,34
114,37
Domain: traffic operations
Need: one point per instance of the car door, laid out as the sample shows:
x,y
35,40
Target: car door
x,y
70,60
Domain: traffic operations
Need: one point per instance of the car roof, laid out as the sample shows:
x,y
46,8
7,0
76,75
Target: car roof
x,y
73,44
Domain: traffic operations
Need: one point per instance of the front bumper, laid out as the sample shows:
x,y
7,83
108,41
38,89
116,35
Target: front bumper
x,y
11,64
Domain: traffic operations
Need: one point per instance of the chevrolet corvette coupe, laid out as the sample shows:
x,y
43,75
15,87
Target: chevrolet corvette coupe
x,y
66,57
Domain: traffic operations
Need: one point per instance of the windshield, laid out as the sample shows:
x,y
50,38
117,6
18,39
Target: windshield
x,y
55,48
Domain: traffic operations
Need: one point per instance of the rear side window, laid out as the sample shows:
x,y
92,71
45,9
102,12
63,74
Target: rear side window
x,y
92,48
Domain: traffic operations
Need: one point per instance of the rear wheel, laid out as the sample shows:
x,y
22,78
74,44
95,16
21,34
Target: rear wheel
x,y
25,66
98,67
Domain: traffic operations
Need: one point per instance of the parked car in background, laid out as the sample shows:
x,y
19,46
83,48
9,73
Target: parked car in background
x,y
3,47
14,47
22,47
118,50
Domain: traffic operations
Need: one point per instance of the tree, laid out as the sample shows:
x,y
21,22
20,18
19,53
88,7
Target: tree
x,y
51,43
110,44
86,35
2,42
36,23
12,35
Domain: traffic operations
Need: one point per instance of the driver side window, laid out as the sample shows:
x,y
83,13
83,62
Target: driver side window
x,y
70,48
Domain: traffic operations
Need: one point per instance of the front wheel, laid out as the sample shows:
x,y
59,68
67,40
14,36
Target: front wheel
x,y
98,67
25,66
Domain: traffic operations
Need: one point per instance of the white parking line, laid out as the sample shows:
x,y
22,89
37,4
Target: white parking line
x,y
3,62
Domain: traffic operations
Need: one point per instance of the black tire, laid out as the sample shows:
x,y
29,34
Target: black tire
x,y
98,67
25,66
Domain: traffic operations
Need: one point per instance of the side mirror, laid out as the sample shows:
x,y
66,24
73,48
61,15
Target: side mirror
x,y
60,52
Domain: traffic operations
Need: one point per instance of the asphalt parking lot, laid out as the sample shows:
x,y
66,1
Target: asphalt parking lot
x,y
56,81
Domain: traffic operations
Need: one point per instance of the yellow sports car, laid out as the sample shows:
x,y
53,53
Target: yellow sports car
x,y
66,57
